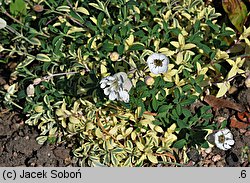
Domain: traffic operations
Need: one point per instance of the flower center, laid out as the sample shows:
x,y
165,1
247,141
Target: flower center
x,y
222,139
158,62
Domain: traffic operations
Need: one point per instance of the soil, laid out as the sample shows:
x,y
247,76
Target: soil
x,y
18,146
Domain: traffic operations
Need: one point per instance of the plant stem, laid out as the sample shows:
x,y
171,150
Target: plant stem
x,y
6,13
58,74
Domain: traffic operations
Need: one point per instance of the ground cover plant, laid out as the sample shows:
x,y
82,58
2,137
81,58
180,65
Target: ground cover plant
x,y
126,83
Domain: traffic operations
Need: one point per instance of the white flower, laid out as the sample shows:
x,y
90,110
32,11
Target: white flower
x,y
223,139
2,23
158,63
117,86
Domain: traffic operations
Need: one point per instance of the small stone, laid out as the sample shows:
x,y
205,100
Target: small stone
x,y
216,158
212,165
220,119
242,131
208,150
15,154
247,134
209,156
232,90
232,160
203,153
219,164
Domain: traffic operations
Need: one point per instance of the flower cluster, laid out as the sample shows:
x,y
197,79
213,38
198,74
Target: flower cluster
x,y
223,139
117,86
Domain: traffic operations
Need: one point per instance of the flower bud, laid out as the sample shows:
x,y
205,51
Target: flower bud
x,y
114,56
6,86
38,8
3,23
149,80
30,90
37,81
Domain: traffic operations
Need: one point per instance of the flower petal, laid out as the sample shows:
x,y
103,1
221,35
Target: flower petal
x,y
124,96
121,76
152,57
225,131
107,91
127,85
162,69
112,95
103,85
216,137
163,57
226,146
220,146
230,142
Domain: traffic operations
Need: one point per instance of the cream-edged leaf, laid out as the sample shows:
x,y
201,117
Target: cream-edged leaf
x,y
82,10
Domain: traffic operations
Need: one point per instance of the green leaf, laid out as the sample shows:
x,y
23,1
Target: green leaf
x,y
188,101
186,112
155,104
178,109
180,143
108,47
213,26
18,7
237,12
120,49
137,46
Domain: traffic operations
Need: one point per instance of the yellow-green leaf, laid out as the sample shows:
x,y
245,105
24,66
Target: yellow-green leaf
x,y
181,40
74,120
179,58
130,40
175,44
189,46
166,51
98,133
39,109
140,146
158,129
42,57
223,88
152,158
82,10
63,8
